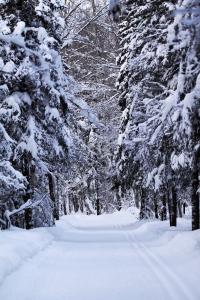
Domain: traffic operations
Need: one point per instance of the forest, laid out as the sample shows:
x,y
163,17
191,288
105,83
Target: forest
x,y
80,132
99,149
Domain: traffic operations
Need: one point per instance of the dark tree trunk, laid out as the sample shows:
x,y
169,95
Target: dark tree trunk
x,y
195,194
143,205
28,218
64,207
173,214
28,170
169,204
75,203
98,204
164,208
81,200
53,197
155,206
98,207
180,214
137,202
71,203
195,169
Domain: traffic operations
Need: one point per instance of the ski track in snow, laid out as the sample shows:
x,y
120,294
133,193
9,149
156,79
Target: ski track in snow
x,y
100,258
158,273
173,286
169,277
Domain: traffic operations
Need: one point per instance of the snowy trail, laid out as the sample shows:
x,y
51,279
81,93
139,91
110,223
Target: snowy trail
x,y
112,257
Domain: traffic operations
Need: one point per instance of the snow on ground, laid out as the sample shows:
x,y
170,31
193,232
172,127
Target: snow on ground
x,y
110,257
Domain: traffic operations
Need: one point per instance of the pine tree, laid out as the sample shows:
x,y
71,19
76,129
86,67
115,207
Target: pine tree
x,y
158,152
184,41
142,86
34,112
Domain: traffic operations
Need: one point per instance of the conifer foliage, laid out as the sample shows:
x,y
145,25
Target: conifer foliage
x,y
34,93
158,147
89,52
56,152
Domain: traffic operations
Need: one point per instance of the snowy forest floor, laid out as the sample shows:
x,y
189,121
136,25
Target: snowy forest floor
x,y
110,257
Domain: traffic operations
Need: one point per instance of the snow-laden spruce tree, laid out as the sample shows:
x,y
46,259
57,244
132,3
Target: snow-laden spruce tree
x,y
184,43
34,114
158,144
142,86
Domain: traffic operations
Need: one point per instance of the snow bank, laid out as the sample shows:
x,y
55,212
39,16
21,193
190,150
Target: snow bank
x,y
18,245
118,220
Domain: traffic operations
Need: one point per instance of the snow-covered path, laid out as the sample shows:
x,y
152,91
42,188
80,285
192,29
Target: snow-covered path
x,y
112,257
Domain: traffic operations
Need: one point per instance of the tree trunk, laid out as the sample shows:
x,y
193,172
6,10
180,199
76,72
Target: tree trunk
x,y
64,207
195,194
180,214
136,198
28,170
75,203
98,208
173,214
118,198
164,208
28,218
53,196
155,206
98,205
143,205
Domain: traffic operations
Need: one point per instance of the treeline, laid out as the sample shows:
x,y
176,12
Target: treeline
x,y
54,150
89,52
158,155
57,155
39,134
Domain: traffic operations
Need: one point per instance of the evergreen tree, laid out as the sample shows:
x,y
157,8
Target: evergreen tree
x,y
158,152
34,113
